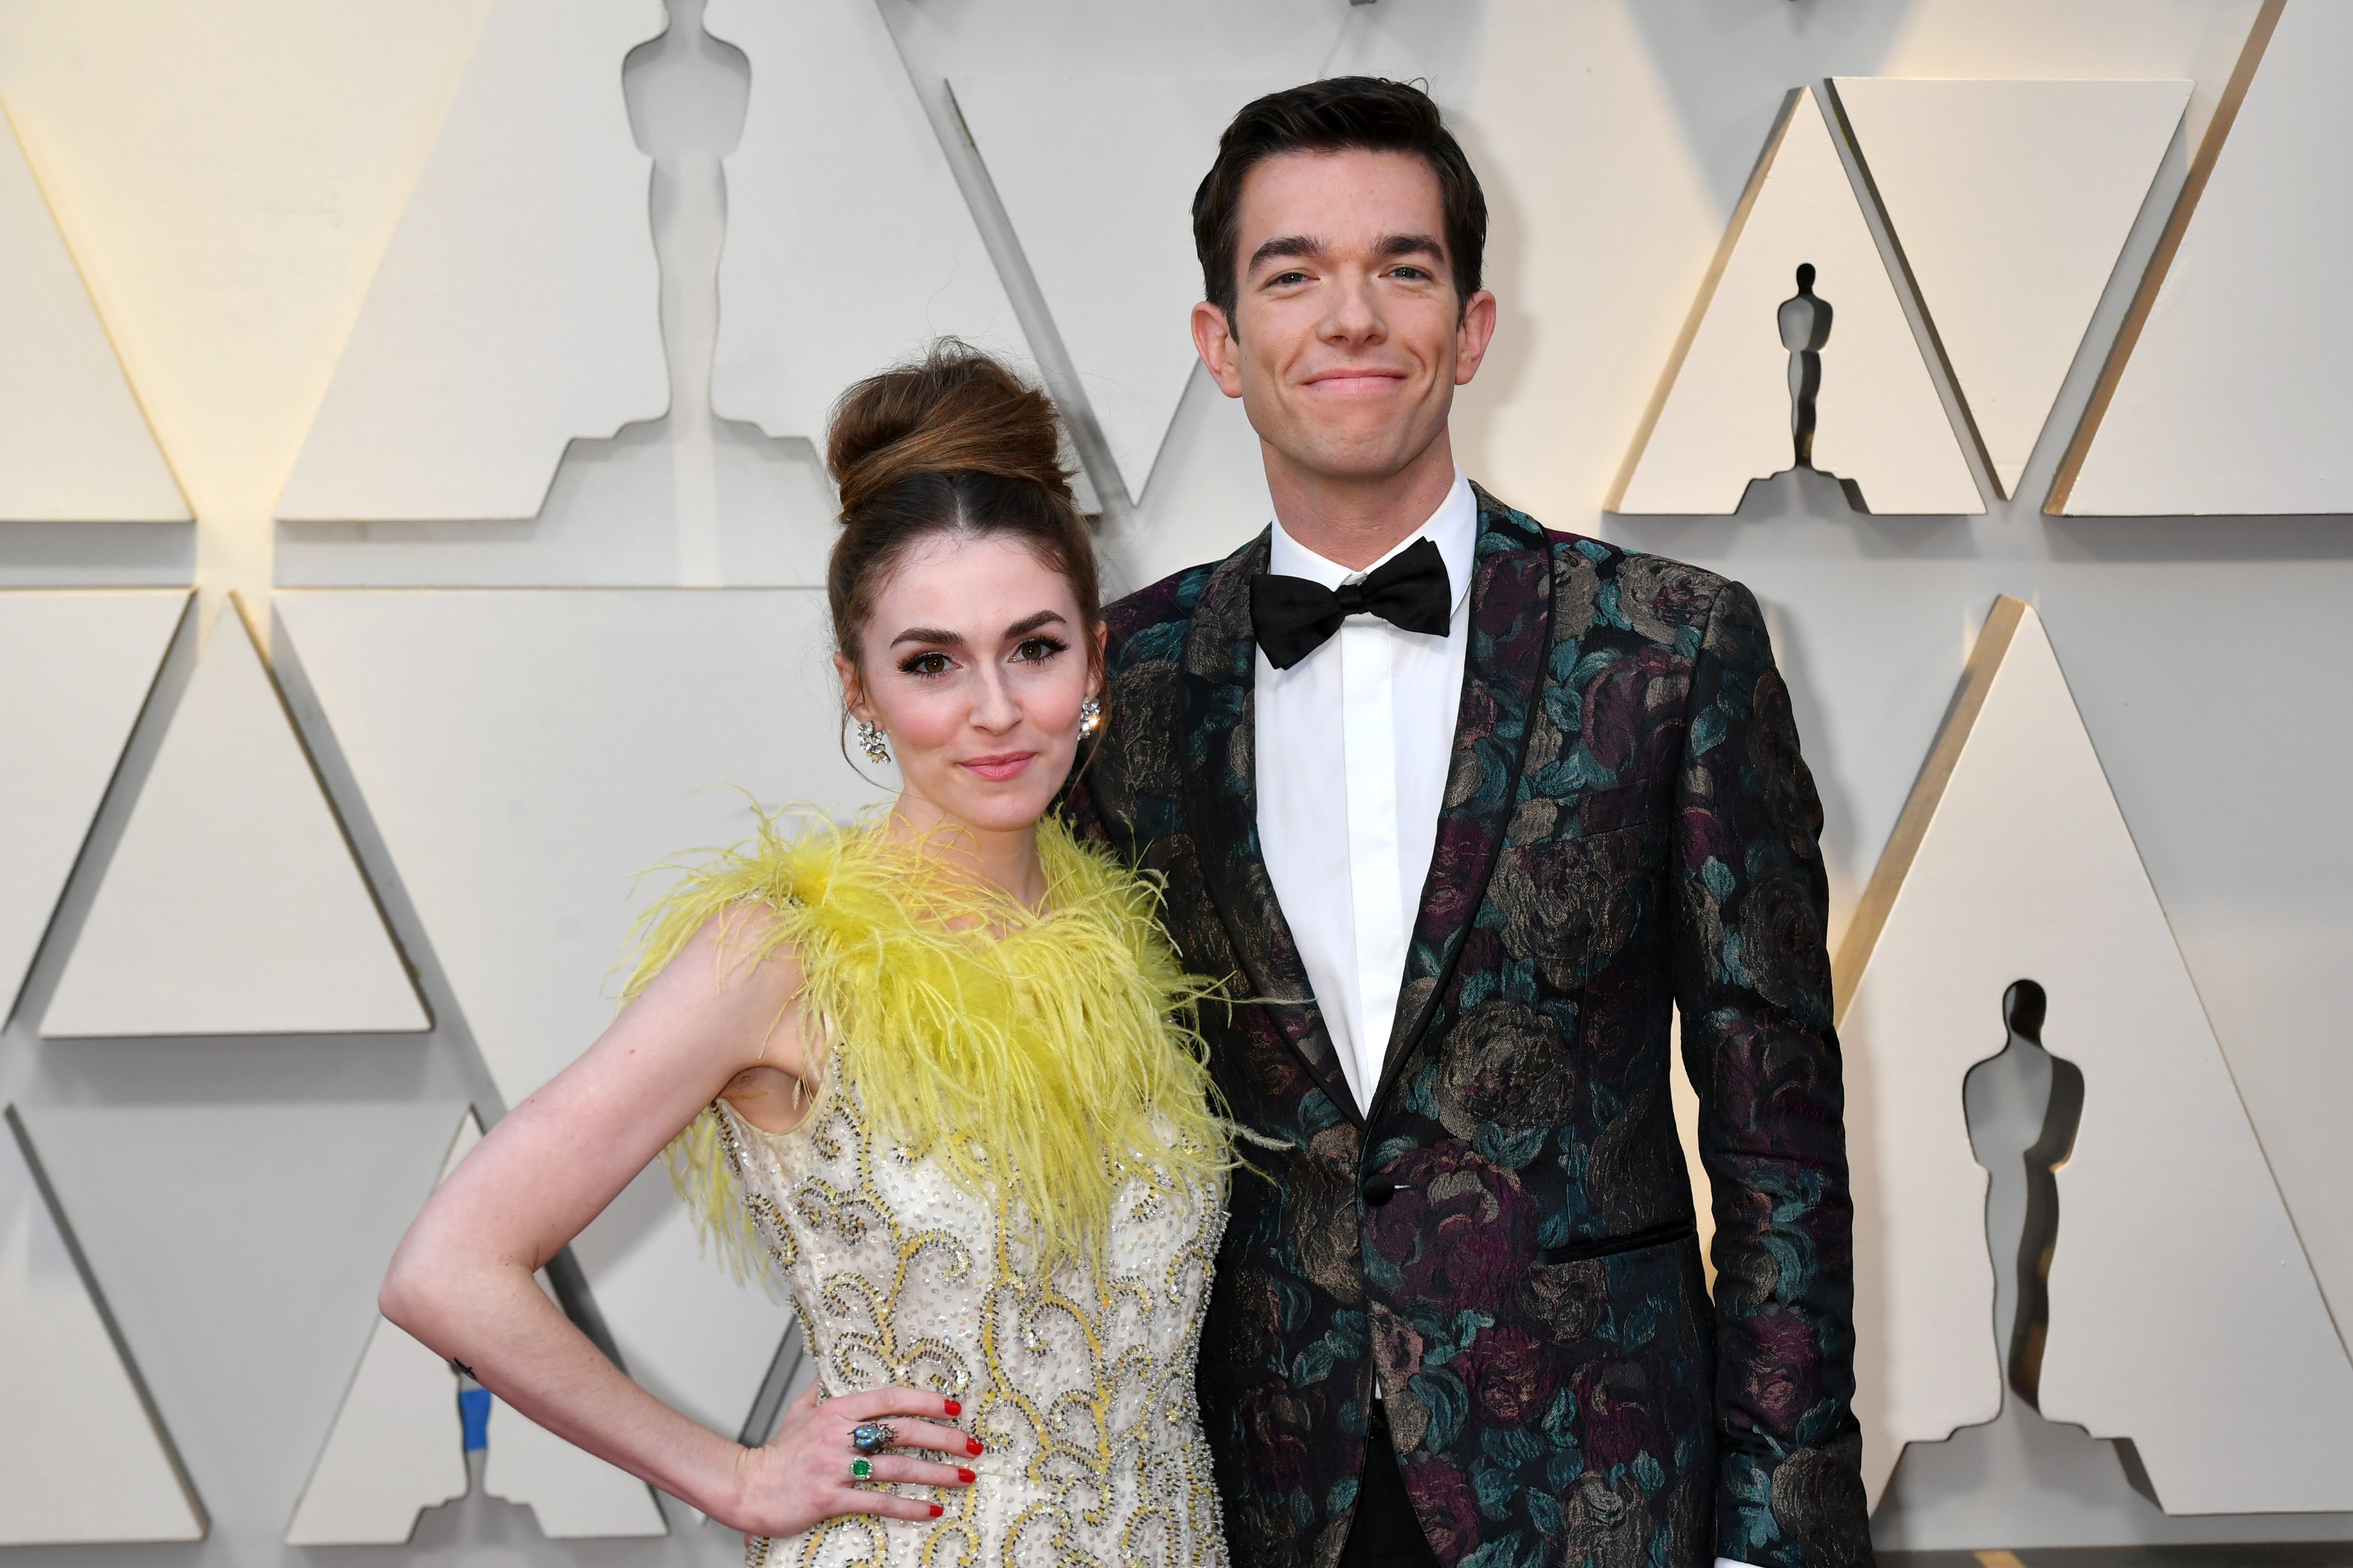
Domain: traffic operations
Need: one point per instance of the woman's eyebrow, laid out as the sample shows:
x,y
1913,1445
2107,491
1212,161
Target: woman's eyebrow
x,y
1042,619
930,635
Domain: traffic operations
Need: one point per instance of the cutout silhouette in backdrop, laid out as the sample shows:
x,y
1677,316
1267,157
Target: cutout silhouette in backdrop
x,y
2021,1089
1804,319
1804,322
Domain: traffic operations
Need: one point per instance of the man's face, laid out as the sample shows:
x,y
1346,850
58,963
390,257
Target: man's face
x,y
1347,340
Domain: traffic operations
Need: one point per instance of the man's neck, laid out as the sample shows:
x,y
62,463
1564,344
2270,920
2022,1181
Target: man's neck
x,y
1353,523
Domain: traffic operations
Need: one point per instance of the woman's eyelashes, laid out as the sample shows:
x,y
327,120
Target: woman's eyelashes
x,y
1038,649
926,666
931,664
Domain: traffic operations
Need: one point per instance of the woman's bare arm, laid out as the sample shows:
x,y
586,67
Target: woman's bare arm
x,y
462,1283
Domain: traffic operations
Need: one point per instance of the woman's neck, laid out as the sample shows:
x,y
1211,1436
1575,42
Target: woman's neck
x,y
1006,858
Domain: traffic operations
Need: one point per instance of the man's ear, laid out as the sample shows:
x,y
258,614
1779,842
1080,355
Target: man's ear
x,y
1221,350
1472,336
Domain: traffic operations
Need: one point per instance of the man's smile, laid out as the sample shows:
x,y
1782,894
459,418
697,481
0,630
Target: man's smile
x,y
1356,380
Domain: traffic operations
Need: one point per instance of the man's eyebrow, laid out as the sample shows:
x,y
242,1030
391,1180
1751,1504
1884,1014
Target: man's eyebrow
x,y
1285,244
1030,623
1410,245
1389,245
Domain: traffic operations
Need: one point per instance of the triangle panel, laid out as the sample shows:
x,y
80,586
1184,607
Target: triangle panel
x,y
846,250
232,904
2012,201
2228,392
396,1448
1084,163
227,178
1722,416
526,755
518,303
2012,862
83,1456
79,447
79,666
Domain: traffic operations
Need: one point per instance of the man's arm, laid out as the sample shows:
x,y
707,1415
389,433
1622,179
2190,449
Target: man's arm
x,y
1752,977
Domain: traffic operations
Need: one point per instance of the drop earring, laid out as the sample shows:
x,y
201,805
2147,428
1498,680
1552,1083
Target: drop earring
x,y
872,742
1090,717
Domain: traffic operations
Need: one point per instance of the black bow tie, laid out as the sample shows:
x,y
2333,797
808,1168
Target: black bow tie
x,y
1294,617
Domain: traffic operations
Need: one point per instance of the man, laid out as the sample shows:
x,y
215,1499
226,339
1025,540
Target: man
x,y
1462,809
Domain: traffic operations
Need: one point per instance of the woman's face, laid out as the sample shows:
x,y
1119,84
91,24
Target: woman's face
x,y
974,663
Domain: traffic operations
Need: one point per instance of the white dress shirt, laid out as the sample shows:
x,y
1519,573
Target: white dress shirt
x,y
1353,742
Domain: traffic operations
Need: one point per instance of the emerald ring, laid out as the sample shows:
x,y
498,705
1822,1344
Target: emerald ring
x,y
860,1468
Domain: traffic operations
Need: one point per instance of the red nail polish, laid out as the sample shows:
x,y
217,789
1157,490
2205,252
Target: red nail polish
x,y
955,1408
974,1447
966,1477
937,1510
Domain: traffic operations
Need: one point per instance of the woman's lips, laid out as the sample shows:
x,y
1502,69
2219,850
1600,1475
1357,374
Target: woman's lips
x,y
1002,766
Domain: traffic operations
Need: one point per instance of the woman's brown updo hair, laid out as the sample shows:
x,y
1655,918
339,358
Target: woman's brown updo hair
x,y
952,443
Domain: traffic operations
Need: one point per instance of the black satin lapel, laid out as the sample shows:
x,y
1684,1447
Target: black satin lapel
x,y
1509,631
1221,799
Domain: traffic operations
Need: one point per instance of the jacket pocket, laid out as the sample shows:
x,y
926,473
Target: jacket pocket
x,y
1586,1247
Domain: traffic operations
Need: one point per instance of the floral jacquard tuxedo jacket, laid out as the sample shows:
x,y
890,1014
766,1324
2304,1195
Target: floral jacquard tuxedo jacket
x,y
1505,1243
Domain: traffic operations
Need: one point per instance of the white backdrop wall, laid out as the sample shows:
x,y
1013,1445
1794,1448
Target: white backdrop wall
x,y
1614,138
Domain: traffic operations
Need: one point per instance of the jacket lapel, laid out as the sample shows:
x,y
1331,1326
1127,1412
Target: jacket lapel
x,y
1220,781
1509,631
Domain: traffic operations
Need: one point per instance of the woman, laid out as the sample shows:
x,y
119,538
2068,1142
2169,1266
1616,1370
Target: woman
x,y
930,1072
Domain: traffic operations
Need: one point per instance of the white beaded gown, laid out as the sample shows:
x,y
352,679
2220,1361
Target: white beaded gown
x,y
1081,1387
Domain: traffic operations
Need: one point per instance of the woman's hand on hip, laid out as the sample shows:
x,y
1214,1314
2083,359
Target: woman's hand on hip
x,y
809,1472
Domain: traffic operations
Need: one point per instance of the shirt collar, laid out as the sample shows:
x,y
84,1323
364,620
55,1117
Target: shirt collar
x,y
1453,528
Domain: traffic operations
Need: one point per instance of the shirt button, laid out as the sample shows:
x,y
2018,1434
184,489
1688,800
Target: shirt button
x,y
1379,1190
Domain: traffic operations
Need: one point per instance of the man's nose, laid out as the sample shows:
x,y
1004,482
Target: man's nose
x,y
1354,316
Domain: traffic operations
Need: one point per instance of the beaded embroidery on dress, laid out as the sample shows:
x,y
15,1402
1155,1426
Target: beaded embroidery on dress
x,y
1081,1385
1010,1189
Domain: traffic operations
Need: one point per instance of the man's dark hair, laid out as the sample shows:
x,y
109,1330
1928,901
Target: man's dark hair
x,y
1340,113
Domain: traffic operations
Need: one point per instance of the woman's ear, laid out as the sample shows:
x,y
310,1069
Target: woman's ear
x,y
1100,661
853,691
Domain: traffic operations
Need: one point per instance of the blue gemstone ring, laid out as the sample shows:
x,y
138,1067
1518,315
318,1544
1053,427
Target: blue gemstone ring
x,y
872,1437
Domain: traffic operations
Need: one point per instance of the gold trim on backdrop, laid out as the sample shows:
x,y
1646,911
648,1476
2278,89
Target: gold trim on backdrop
x,y
1796,96
2160,262
1920,807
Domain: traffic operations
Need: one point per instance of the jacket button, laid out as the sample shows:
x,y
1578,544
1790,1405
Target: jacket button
x,y
1379,1190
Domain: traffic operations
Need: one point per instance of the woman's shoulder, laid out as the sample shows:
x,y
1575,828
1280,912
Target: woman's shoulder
x,y
751,902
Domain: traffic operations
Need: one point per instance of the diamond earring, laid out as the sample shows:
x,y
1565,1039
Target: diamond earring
x,y
872,742
1090,717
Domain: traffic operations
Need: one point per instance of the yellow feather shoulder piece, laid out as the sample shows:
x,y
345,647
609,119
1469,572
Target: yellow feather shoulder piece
x,y
1043,1057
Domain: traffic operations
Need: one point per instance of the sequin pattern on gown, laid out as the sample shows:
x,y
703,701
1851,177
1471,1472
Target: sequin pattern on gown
x,y
1081,1387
